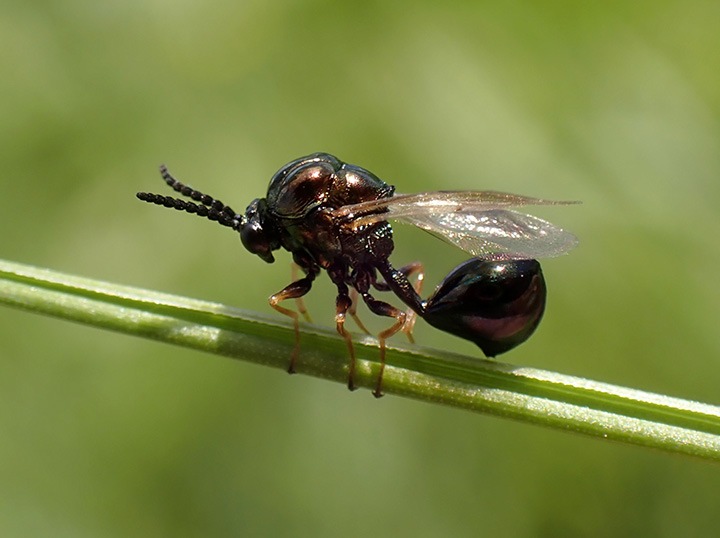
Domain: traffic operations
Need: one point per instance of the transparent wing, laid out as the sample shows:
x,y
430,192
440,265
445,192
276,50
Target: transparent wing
x,y
497,234
435,202
478,222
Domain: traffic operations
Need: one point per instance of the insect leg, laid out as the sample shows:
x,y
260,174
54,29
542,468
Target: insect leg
x,y
293,291
353,311
382,308
407,271
343,303
397,281
299,302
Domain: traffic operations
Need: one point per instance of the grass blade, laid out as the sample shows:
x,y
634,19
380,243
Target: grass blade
x,y
536,396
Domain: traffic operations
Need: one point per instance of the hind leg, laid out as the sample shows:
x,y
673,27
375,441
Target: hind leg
x,y
415,268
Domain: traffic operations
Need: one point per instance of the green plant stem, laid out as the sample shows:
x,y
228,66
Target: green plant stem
x,y
535,396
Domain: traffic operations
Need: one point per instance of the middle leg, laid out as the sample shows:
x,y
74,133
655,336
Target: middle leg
x,y
343,303
382,308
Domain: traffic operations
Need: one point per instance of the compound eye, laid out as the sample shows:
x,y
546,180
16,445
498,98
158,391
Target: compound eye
x,y
254,239
252,234
497,305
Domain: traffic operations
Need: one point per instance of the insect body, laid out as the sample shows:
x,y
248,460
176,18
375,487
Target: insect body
x,y
333,216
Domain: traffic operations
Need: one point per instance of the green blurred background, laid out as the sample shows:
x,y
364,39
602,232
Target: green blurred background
x,y
613,103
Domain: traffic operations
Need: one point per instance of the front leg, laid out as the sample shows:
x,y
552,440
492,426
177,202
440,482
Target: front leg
x,y
294,291
299,302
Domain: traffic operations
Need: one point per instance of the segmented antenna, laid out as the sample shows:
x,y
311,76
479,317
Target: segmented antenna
x,y
209,207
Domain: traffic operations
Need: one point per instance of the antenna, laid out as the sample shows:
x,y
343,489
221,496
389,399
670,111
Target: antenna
x,y
209,207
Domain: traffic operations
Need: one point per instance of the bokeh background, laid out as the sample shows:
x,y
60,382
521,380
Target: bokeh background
x,y
613,103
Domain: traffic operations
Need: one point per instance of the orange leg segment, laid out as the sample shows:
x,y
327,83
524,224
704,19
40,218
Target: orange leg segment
x,y
294,291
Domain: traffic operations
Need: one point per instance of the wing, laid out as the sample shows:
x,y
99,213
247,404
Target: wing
x,y
480,223
497,234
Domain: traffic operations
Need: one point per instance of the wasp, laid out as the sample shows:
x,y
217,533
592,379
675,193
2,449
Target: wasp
x,y
335,217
